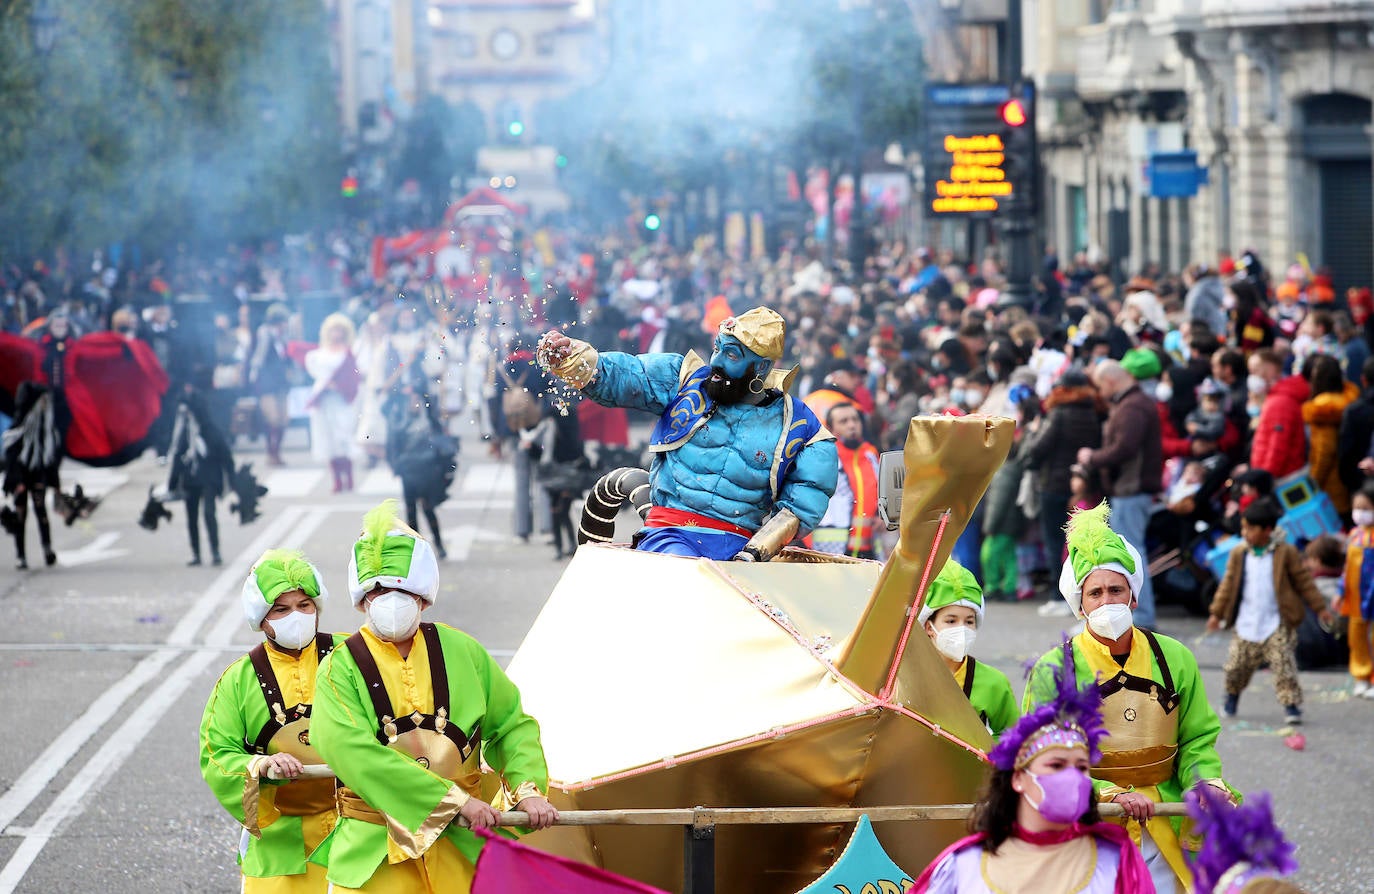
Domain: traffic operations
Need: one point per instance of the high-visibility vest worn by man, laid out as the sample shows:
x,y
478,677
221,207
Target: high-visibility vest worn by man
x,y
406,713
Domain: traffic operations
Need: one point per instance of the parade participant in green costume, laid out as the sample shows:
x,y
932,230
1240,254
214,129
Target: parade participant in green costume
x,y
258,720
407,714
1162,730
952,615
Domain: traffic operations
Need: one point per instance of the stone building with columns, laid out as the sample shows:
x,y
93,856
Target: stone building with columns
x,y
1273,95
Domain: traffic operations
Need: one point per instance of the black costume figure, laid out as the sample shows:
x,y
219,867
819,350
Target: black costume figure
x,y
202,463
33,451
421,454
562,470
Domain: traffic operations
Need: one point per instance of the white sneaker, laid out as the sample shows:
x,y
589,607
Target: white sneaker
x,y
1056,608
1360,688
1368,693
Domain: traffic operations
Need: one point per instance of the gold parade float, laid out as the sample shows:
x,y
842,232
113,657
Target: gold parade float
x,y
665,682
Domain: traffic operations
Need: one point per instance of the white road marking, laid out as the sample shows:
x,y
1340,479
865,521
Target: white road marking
x,y
458,541
381,482
288,483
95,482
98,550
225,589
489,478
121,744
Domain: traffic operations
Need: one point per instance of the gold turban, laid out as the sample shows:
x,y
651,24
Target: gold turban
x,y
759,329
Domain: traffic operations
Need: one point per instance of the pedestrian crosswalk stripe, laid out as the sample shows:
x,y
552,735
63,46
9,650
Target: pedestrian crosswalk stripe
x,y
489,478
380,482
292,482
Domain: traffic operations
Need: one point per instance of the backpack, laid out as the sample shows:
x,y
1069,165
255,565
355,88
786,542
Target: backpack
x,y
517,404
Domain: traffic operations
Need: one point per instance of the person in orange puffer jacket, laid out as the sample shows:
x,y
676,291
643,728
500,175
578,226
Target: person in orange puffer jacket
x,y
1331,394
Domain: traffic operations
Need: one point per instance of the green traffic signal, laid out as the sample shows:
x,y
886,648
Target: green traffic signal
x,y
652,222
515,128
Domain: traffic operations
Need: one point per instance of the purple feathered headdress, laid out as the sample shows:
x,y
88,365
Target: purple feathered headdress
x,y
1239,842
1073,718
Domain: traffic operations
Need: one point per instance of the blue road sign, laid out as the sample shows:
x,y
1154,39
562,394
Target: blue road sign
x,y
1174,175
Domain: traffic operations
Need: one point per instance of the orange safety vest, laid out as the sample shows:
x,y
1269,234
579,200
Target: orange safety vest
x,y
860,466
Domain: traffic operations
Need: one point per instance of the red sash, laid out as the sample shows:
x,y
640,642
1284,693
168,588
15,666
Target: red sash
x,y
662,517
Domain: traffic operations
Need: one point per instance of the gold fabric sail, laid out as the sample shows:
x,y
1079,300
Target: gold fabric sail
x,y
661,681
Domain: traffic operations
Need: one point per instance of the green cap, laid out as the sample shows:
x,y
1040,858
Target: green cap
x,y
276,572
954,585
1142,363
390,554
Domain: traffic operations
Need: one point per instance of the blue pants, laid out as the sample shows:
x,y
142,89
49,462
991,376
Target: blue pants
x,y
1130,515
970,543
701,543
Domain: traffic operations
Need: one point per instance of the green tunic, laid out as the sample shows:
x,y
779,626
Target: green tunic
x,y
990,694
234,715
344,729
1198,726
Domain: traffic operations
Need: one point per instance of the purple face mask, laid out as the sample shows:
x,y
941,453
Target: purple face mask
x,y
1066,793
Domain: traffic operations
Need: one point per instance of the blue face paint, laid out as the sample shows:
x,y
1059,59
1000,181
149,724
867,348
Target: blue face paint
x,y
734,359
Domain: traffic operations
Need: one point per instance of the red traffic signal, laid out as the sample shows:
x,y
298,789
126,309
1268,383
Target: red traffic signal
x,y
1013,113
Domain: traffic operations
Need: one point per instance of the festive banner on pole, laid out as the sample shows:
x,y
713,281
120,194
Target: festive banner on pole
x,y
505,866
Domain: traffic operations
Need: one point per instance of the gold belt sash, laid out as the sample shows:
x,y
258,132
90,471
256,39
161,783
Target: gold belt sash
x,y
1139,768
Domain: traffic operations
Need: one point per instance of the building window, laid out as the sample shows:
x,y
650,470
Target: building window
x,y
545,44
464,46
504,44
1078,219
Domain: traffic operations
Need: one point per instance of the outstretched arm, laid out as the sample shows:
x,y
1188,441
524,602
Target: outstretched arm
x,y
646,382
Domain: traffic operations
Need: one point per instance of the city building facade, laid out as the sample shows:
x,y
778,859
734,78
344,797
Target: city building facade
x,y
1274,96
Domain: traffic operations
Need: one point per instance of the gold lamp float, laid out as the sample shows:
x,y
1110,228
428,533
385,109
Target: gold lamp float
x,y
661,681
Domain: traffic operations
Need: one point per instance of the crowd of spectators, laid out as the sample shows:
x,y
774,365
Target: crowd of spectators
x,y
1178,397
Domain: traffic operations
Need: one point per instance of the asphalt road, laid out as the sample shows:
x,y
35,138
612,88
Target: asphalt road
x,y
106,661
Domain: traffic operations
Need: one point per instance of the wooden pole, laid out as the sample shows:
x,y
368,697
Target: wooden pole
x,y
745,816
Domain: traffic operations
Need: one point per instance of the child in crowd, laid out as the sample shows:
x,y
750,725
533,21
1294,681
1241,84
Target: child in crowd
x,y
1084,492
1357,603
1249,486
1207,420
1262,598
1189,482
1325,558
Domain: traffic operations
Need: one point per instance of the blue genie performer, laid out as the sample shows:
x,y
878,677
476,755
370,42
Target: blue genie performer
x,y
740,467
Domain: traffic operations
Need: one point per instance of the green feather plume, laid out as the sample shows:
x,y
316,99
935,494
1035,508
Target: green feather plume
x,y
1092,542
376,525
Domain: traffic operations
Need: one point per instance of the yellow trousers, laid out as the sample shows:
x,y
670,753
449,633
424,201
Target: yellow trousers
x,y
314,829
442,870
1361,663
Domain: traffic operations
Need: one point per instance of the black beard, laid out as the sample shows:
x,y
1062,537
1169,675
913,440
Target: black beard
x,y
726,391
852,443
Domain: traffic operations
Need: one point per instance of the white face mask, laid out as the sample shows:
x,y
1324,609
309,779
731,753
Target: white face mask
x,y
1110,621
394,616
1256,384
1364,518
954,642
1164,393
295,630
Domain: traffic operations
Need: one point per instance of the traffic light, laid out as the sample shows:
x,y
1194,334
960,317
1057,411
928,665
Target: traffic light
x,y
515,128
652,222
1021,161
348,187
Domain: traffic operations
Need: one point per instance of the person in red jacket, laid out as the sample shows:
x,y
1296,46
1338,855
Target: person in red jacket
x,y
1280,444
